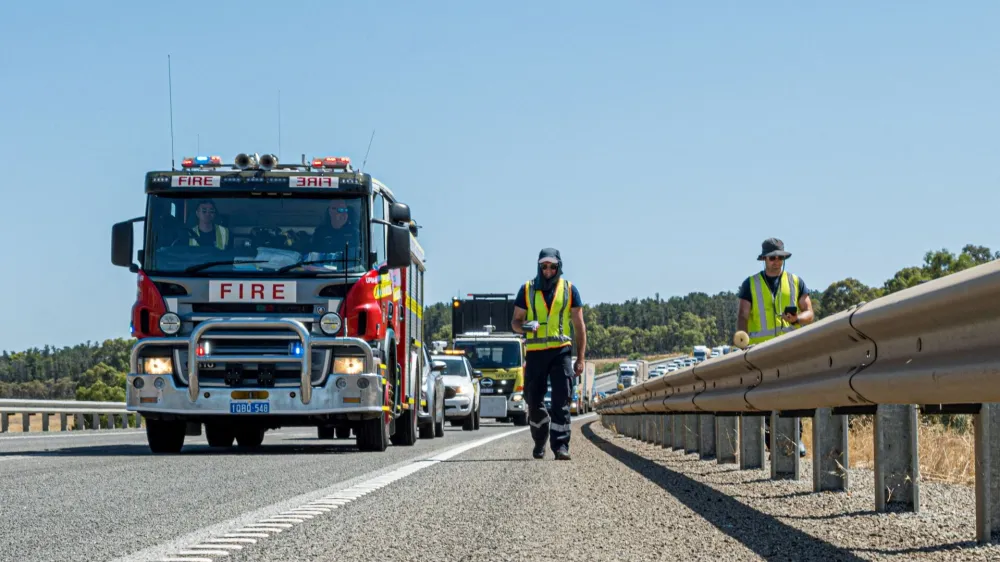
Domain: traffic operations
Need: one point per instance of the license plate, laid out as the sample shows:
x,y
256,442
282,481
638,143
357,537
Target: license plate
x,y
486,390
254,407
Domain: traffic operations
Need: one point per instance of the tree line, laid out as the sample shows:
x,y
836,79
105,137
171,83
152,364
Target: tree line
x,y
652,325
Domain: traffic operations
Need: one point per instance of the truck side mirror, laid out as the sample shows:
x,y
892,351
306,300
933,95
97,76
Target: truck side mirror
x,y
121,244
399,213
398,243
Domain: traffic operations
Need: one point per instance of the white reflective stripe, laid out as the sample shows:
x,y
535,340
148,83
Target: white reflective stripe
x,y
562,311
793,286
559,427
539,423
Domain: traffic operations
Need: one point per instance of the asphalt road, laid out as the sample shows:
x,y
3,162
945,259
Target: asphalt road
x,y
470,496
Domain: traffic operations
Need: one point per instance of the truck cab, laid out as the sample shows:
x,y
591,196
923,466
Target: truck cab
x,y
271,295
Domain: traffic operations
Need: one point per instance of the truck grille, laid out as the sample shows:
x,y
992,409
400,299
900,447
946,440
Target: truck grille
x,y
265,375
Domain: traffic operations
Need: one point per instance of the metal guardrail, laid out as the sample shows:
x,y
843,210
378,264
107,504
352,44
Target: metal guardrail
x,y
64,408
930,348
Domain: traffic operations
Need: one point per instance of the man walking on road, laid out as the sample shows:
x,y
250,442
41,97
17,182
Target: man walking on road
x,y
773,302
544,310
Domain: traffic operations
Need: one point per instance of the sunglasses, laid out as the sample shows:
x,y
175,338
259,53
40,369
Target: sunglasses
x,y
339,209
552,266
775,258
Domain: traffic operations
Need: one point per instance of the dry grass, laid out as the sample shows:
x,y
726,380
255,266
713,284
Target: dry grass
x,y
946,455
36,423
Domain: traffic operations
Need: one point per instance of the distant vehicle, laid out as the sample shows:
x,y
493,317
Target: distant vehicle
x,y
700,353
461,389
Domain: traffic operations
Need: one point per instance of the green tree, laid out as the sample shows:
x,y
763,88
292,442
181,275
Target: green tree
x,y
844,294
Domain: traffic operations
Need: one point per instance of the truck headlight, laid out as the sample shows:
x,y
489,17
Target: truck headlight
x,y
158,366
330,323
348,365
170,323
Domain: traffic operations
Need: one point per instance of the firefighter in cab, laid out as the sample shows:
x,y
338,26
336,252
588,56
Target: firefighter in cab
x,y
206,232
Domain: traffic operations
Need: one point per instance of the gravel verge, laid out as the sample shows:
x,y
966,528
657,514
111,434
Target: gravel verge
x,y
619,499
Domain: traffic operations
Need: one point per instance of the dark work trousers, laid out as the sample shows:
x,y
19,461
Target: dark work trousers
x,y
549,367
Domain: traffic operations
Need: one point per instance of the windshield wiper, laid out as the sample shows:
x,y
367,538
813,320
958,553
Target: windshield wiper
x,y
310,262
199,267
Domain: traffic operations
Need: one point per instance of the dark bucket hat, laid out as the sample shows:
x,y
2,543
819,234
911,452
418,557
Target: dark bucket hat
x,y
773,247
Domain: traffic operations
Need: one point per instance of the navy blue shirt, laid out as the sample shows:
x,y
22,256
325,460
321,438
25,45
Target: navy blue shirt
x,y
772,283
575,302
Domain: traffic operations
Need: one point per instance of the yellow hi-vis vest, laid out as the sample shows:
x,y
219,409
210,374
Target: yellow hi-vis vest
x,y
553,323
221,237
766,312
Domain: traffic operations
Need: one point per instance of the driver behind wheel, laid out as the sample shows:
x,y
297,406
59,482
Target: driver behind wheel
x,y
206,232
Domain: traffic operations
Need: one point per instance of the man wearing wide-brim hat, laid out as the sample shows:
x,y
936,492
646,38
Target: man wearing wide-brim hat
x,y
773,302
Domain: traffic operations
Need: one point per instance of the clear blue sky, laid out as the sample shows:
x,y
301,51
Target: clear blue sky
x,y
655,144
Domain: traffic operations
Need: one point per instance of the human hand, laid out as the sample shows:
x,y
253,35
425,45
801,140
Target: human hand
x,y
578,367
790,318
530,326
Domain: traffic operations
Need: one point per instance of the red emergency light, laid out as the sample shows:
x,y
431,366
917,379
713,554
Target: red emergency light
x,y
331,162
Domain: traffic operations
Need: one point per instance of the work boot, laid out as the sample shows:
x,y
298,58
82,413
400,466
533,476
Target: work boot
x,y
562,455
539,451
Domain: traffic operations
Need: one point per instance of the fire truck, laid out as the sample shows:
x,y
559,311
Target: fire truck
x,y
272,295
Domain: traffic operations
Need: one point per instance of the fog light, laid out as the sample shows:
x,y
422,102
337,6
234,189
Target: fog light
x,y
363,383
170,323
158,365
159,382
341,382
138,382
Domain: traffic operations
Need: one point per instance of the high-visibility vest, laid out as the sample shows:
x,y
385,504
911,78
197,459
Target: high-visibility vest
x,y
553,322
766,311
221,237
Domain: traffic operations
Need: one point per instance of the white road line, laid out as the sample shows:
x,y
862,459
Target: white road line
x,y
14,458
270,520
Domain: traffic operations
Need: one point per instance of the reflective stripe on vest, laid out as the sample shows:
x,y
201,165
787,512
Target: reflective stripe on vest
x,y
766,320
221,237
550,334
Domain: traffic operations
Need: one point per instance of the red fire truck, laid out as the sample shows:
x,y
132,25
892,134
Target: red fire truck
x,y
272,295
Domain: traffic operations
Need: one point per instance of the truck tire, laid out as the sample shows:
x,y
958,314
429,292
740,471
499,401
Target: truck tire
x,y
406,423
165,436
520,420
219,434
373,435
249,437
439,417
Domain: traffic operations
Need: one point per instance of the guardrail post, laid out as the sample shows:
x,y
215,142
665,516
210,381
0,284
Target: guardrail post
x,y
706,430
751,442
679,433
987,472
691,436
725,438
45,422
95,421
897,466
78,421
665,432
784,447
4,423
830,451
25,423
63,421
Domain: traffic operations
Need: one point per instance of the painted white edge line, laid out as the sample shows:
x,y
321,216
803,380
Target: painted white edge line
x,y
267,521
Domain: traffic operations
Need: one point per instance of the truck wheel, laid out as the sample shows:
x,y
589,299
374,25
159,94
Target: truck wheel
x,y
165,436
406,428
520,420
219,435
249,437
373,435
439,417
324,432
427,430
343,433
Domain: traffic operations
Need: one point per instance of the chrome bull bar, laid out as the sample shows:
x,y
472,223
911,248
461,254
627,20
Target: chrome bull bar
x,y
308,343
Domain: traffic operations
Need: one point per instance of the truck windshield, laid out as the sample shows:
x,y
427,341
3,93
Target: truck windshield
x,y
491,355
189,233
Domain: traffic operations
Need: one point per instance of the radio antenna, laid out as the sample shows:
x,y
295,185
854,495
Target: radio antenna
x,y
279,125
367,151
170,90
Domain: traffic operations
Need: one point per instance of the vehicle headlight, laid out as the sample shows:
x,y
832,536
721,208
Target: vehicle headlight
x,y
170,323
158,366
517,398
330,323
462,389
348,365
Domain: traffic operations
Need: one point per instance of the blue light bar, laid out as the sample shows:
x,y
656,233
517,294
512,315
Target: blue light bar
x,y
201,160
